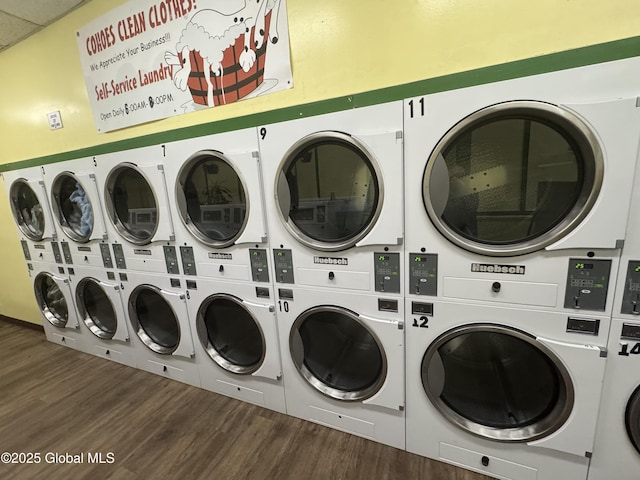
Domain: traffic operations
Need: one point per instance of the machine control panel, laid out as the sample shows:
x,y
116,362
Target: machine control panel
x,y
66,252
587,284
631,296
423,274
55,247
25,250
171,259
106,255
118,253
188,260
259,265
387,272
283,265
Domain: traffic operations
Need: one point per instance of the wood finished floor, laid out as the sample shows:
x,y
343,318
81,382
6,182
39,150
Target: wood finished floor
x,y
54,399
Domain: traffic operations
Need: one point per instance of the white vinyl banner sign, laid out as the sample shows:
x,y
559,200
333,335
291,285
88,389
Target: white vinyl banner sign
x,y
152,59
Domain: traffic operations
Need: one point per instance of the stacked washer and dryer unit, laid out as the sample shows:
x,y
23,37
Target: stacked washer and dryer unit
x,y
617,446
38,235
141,229
218,210
513,250
76,202
333,185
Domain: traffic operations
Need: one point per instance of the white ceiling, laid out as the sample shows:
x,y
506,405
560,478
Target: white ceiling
x,y
21,18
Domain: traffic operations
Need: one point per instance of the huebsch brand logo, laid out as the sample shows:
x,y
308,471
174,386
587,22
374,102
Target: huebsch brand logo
x,y
330,261
221,256
141,251
495,268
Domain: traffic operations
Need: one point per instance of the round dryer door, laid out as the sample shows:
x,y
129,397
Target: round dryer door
x,y
153,319
512,178
497,382
73,207
27,211
51,300
96,309
329,191
337,354
211,198
230,334
632,419
131,204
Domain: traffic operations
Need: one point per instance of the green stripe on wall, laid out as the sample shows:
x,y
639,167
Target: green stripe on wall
x,y
605,52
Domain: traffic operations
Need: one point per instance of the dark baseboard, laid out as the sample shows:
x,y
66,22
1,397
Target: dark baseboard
x,y
22,323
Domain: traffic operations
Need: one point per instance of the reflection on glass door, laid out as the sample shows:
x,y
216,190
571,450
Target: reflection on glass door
x,y
512,178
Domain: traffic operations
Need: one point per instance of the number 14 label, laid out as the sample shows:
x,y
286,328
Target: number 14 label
x,y
625,352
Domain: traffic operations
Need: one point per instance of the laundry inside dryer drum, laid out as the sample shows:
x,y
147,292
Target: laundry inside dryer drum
x,y
512,178
73,207
132,204
212,199
632,419
27,211
230,334
51,300
96,308
329,191
498,383
337,353
154,320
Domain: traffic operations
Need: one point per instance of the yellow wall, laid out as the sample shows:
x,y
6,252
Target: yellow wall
x,y
338,48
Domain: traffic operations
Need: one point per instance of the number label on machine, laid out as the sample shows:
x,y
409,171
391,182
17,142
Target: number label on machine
x,y
630,331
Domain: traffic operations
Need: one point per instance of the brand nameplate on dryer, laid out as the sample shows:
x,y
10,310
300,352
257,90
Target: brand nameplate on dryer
x,y
142,251
496,268
331,261
84,249
221,256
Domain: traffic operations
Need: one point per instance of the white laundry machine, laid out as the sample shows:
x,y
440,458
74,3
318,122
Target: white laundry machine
x,y
54,297
512,393
236,341
76,203
136,203
216,190
334,189
98,299
156,307
343,361
506,182
617,448
31,211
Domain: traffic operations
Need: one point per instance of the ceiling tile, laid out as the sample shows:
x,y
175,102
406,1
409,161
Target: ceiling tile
x,y
40,12
13,28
